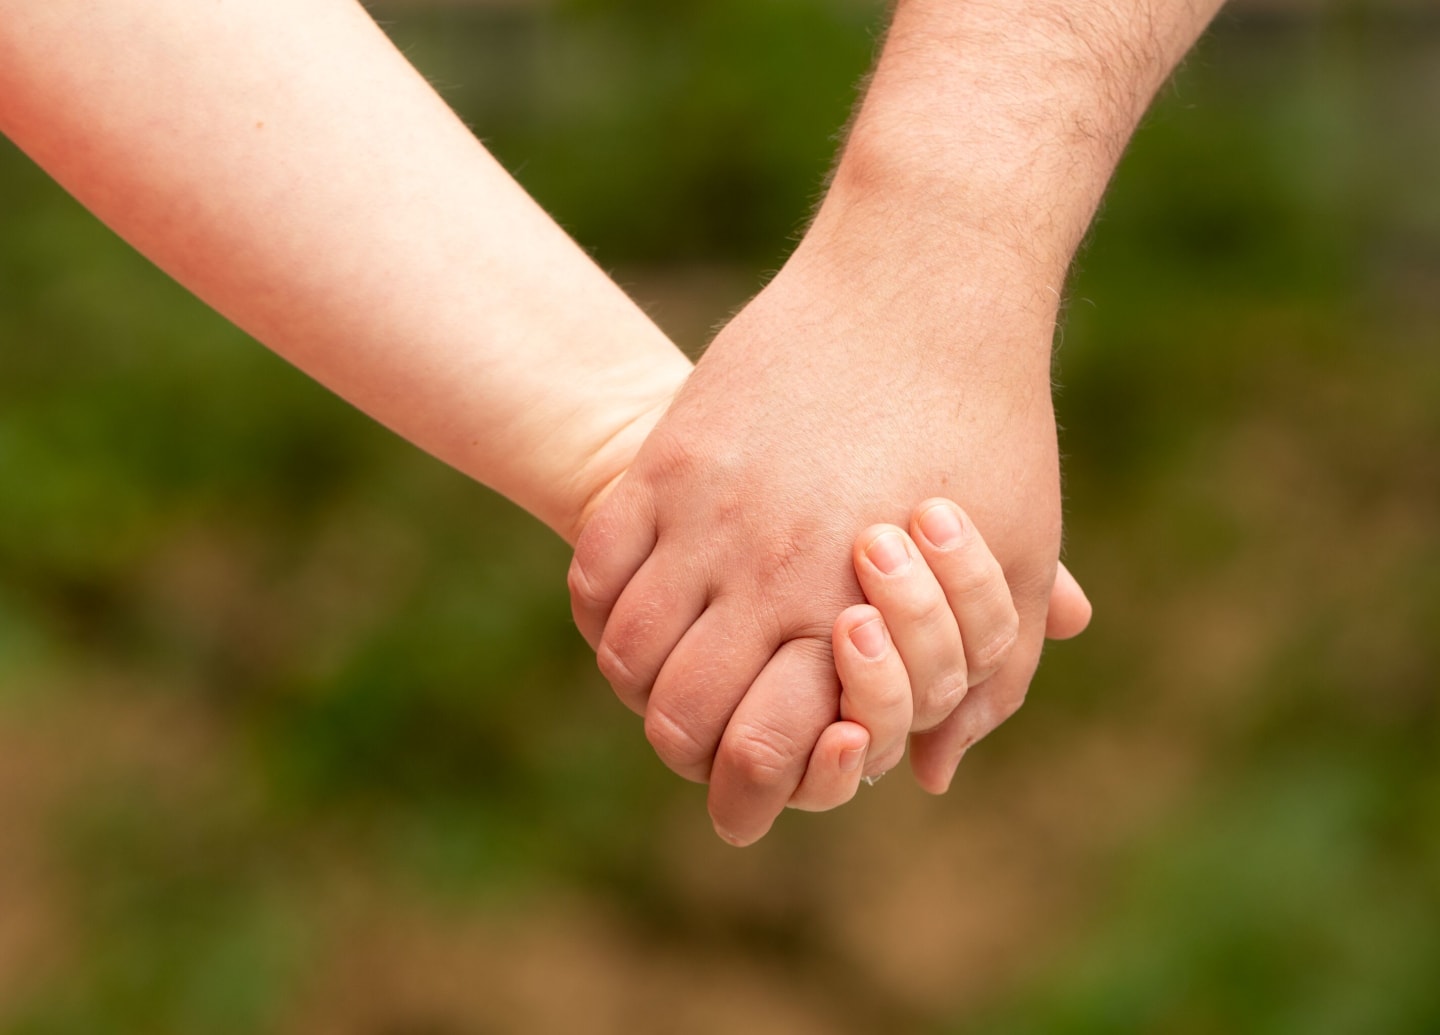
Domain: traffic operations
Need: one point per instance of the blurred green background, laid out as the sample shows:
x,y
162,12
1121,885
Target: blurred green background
x,y
295,735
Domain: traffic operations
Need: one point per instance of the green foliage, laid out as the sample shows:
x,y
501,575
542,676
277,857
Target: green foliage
x,y
636,124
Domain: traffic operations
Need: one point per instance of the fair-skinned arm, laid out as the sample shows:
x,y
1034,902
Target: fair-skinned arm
x,y
902,351
282,160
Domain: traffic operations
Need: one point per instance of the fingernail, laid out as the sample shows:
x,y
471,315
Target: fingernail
x,y
869,639
941,525
729,838
851,758
887,552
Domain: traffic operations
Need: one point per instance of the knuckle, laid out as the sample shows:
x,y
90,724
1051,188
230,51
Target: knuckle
x,y
991,655
629,651
617,671
892,696
940,700
680,459
584,593
679,748
933,610
975,573
761,755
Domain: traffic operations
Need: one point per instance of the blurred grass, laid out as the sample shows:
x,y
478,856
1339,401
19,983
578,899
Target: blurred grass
x,y
295,735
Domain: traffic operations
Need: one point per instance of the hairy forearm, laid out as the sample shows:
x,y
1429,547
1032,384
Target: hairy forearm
x,y
1000,122
284,162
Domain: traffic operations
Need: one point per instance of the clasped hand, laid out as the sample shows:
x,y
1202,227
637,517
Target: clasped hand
x,y
723,582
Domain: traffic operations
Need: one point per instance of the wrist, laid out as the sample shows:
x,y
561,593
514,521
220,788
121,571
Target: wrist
x,y
897,209
963,298
617,438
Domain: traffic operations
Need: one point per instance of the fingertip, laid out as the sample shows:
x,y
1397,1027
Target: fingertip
x,y
734,840
853,616
940,523
836,767
1070,609
840,739
860,636
882,550
936,779
934,757
850,743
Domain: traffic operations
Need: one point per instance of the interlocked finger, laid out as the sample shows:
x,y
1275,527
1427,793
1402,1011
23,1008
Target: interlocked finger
x,y
898,582
974,585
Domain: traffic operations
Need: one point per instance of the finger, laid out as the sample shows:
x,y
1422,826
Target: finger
x,y
1070,609
654,612
768,743
700,685
609,552
920,619
836,765
934,755
875,686
974,585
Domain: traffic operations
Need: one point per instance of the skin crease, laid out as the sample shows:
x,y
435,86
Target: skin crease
x,y
903,350
313,188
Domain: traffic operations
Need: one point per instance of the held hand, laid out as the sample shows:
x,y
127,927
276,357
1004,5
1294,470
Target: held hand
x,y
913,630
715,569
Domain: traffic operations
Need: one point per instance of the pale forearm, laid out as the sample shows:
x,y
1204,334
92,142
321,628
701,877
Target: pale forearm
x,y
283,161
